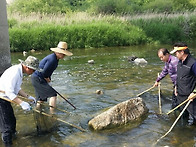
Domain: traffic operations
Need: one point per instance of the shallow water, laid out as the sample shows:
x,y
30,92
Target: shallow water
x,y
120,80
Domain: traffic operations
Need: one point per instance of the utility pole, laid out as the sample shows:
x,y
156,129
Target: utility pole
x,y
5,59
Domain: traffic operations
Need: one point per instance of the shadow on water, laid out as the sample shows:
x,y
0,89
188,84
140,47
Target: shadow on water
x,y
119,80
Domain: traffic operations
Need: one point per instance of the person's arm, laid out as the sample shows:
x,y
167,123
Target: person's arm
x,y
17,100
22,93
48,68
193,69
162,75
25,106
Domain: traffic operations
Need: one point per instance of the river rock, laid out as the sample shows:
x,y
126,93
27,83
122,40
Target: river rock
x,y
120,114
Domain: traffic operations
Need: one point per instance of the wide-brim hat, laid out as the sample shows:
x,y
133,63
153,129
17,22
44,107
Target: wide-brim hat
x,y
31,62
62,48
178,49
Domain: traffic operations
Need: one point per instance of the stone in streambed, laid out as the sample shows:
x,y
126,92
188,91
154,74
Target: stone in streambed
x,y
120,114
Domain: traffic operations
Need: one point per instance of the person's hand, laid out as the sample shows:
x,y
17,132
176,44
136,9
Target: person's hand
x,y
175,91
47,79
32,98
192,96
156,84
25,106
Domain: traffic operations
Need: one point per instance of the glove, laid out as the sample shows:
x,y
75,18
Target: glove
x,y
25,106
32,98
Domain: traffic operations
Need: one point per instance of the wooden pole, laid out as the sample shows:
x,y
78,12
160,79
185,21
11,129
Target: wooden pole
x,y
159,92
193,96
64,98
6,99
47,115
53,107
175,121
145,91
21,97
81,129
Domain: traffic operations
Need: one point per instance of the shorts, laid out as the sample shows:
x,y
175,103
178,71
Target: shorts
x,y
42,89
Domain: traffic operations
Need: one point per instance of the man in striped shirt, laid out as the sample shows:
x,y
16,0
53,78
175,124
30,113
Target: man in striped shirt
x,y
170,68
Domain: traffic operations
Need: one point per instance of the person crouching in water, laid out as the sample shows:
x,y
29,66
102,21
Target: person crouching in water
x,y
41,80
10,87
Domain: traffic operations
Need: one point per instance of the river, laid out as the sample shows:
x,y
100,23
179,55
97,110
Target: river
x,y
119,80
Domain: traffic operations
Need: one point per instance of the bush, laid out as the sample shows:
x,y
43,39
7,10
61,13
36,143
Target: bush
x,y
114,7
162,30
77,36
41,6
159,6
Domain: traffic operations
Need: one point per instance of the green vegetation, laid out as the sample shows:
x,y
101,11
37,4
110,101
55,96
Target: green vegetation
x,y
103,6
41,24
105,31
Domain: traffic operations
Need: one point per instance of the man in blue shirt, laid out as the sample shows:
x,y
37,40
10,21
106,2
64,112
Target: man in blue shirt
x,y
41,80
186,78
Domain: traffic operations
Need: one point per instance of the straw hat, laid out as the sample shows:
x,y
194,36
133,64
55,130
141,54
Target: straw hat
x,y
62,48
31,62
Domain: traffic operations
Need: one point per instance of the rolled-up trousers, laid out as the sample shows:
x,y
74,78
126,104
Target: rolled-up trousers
x,y
7,122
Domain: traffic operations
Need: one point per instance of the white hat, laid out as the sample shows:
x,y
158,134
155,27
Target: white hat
x,y
178,49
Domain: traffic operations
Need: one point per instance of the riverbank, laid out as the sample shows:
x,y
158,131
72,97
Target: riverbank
x,y
84,30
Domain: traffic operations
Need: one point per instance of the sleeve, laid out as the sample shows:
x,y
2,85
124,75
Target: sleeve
x,y
12,86
163,73
193,68
47,68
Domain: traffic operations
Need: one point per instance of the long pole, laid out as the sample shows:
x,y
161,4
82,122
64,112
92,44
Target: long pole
x,y
145,91
175,121
3,98
191,97
64,98
23,98
58,94
81,129
47,115
54,107
159,91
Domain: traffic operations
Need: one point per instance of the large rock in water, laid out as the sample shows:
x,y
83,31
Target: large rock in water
x,y
120,114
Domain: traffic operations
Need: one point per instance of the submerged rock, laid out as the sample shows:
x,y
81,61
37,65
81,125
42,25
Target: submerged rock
x,y
120,114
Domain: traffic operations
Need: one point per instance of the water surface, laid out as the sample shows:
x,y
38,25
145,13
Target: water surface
x,y
120,80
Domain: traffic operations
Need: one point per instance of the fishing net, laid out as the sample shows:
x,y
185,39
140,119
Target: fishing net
x,y
44,123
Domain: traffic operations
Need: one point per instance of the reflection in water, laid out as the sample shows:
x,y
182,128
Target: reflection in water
x,y
119,80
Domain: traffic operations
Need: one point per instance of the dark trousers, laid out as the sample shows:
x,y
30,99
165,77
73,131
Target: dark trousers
x,y
7,122
191,109
174,100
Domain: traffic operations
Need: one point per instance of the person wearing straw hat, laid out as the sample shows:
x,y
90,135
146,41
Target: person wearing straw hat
x,y
170,68
41,80
10,87
186,78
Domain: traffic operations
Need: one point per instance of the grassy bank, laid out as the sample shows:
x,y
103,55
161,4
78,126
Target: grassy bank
x,y
82,30
79,30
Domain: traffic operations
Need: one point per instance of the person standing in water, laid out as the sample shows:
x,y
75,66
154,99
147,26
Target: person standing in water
x,y
41,80
186,79
170,68
10,88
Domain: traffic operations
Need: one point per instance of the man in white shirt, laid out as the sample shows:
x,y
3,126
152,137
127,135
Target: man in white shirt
x,y
10,87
